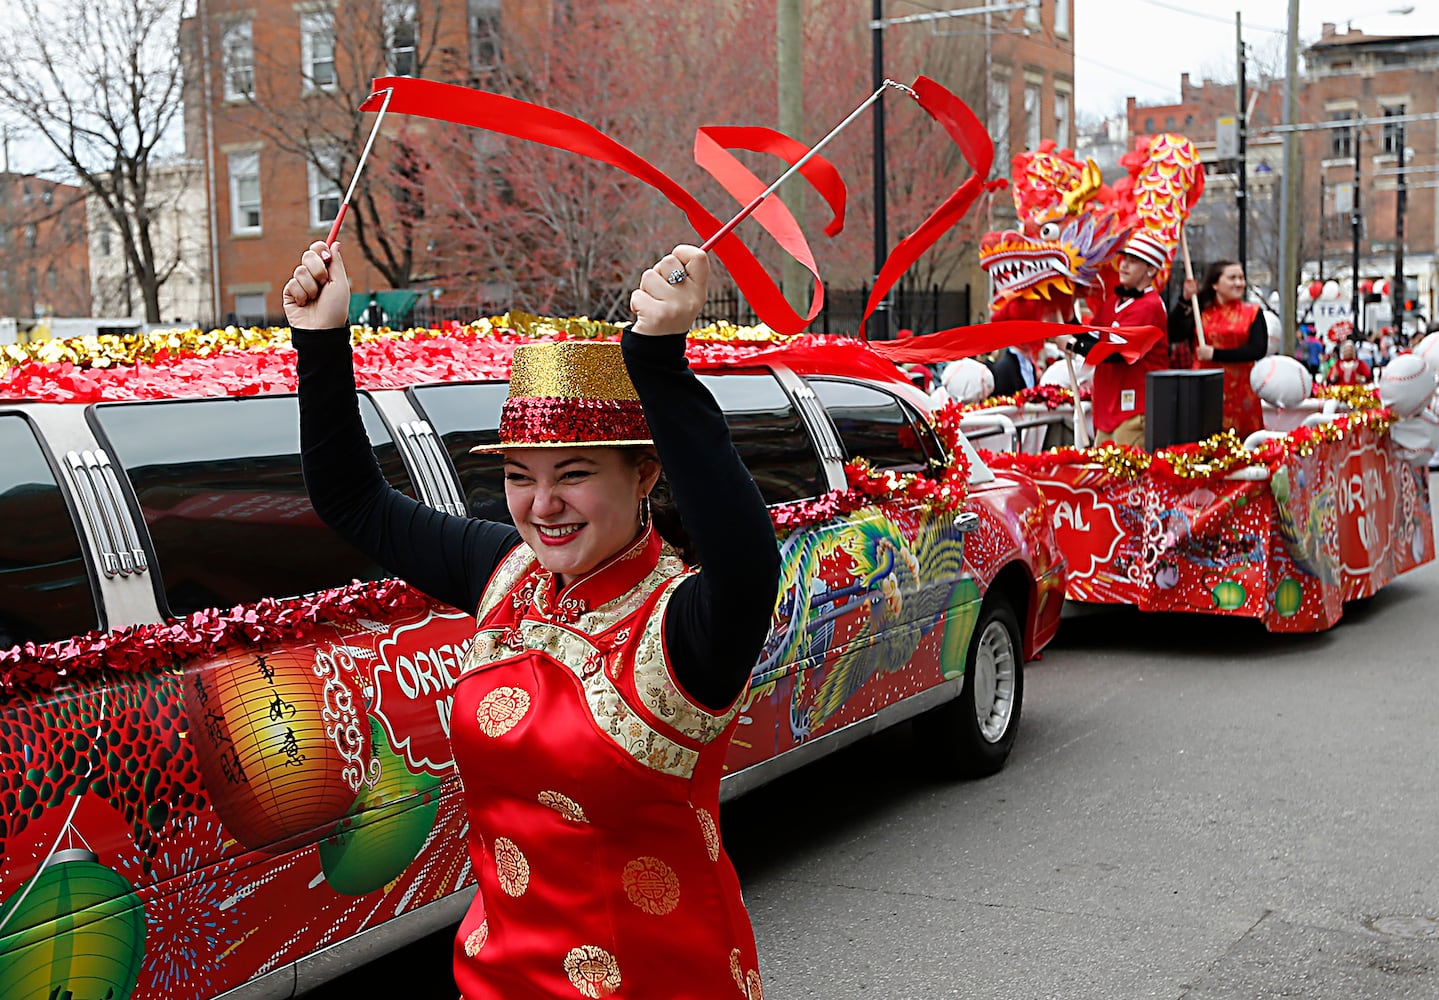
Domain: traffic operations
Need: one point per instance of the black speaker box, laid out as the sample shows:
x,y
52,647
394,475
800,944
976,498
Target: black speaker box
x,y
1182,405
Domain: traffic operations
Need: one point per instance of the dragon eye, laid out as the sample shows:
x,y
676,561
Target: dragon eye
x,y
1049,231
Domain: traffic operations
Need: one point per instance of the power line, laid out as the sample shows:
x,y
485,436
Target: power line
x,y
1213,17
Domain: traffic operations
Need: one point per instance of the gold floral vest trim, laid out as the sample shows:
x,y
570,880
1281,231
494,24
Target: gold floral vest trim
x,y
671,747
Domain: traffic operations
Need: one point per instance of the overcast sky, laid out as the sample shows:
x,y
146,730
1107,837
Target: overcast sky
x,y
1140,47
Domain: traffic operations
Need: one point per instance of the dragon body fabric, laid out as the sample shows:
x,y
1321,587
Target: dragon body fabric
x,y
1071,226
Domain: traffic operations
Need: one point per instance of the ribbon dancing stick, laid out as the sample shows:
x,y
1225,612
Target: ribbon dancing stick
x,y
758,200
1194,299
359,167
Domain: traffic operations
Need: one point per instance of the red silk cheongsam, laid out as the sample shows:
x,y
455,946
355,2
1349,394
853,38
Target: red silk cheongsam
x,y
591,786
1226,327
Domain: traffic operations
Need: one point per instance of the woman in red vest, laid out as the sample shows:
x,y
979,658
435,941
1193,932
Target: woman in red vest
x,y
598,698
1235,336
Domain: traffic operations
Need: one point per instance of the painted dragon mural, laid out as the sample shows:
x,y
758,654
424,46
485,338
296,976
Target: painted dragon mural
x,y
1072,226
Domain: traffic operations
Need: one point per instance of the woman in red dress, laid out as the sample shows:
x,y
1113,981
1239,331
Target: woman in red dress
x,y
598,698
1235,336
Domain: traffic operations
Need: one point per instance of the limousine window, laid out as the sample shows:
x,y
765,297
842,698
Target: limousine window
x,y
45,590
767,431
466,414
875,425
219,486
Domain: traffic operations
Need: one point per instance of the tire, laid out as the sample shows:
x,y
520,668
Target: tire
x,y
971,736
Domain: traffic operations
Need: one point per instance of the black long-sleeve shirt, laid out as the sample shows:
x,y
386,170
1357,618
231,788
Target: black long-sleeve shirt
x,y
717,619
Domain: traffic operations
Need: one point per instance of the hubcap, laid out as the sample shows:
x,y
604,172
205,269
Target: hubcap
x,y
993,680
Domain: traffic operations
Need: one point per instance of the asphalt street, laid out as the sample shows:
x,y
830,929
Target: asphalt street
x,y
1195,809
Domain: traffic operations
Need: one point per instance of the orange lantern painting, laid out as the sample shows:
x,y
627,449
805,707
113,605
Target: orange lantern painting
x,y
283,744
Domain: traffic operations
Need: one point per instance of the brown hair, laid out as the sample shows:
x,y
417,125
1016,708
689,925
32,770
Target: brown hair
x,y
1207,294
663,511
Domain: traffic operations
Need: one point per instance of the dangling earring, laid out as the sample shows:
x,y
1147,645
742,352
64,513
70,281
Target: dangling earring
x,y
644,510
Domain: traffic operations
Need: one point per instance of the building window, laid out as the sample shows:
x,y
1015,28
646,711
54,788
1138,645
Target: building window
x,y
237,49
317,50
999,121
1392,132
26,195
1031,116
484,34
1149,124
400,35
1341,140
52,280
103,238
250,309
48,196
31,235
324,189
1031,14
1061,18
245,192
1061,119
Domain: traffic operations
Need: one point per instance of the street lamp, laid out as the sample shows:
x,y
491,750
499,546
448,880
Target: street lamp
x,y
880,328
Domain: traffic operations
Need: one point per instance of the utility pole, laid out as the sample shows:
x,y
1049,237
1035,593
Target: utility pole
x,y
1401,196
1241,190
789,50
1289,265
879,328
1354,225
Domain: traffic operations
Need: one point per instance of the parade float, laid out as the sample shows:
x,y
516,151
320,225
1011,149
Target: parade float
x,y
1327,505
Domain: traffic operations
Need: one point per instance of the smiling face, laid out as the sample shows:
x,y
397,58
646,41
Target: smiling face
x,y
577,507
1229,286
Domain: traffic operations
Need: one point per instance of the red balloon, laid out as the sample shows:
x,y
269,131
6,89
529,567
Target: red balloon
x,y
1366,286
1316,288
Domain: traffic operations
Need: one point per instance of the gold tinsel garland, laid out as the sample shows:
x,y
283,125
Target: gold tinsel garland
x,y
113,350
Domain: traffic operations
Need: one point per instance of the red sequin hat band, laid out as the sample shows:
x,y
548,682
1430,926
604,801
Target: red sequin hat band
x,y
568,394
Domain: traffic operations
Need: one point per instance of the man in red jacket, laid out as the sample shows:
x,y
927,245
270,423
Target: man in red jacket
x,y
1118,393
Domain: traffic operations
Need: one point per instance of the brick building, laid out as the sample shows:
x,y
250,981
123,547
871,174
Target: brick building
x,y
1031,84
43,261
1347,75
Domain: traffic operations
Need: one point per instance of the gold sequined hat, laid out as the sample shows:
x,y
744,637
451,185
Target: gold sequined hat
x,y
570,393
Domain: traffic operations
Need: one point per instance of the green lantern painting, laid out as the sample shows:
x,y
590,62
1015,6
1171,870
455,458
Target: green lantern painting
x,y
386,828
964,601
1228,594
1288,596
74,930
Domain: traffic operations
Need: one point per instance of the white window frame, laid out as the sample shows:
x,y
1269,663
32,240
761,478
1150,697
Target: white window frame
x,y
401,12
999,121
237,47
1061,18
1031,14
1063,115
325,194
1033,126
245,167
484,35
317,49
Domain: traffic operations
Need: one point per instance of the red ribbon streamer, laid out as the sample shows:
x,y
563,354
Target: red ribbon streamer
x,y
523,120
967,341
977,148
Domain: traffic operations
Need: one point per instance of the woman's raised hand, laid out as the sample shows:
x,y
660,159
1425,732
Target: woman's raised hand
x,y
317,296
672,293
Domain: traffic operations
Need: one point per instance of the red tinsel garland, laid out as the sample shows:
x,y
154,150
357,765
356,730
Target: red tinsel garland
x,y
140,648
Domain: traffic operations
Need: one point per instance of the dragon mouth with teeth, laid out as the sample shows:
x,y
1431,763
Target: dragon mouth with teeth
x,y
1051,266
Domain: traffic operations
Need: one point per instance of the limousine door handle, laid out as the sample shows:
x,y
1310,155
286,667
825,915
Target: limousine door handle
x,y
966,521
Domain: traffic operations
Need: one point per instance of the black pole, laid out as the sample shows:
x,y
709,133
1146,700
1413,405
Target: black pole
x,y
1354,240
1399,205
1323,226
1241,191
879,325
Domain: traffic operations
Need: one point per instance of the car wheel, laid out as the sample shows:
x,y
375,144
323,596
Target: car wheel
x,y
971,736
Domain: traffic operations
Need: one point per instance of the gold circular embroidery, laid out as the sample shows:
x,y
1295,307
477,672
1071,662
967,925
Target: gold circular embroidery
x,y
511,867
477,939
735,970
564,805
501,710
756,991
593,971
652,885
710,831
